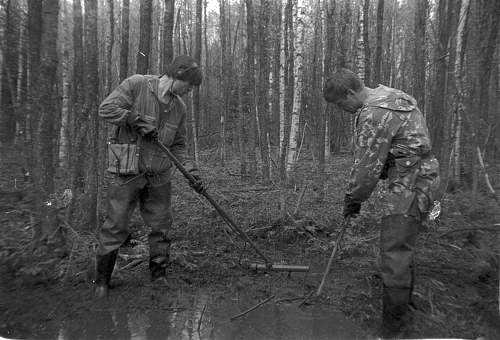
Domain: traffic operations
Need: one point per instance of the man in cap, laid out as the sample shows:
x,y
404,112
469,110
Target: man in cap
x,y
391,142
144,109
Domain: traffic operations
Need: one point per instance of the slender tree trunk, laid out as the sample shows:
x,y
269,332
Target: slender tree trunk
x,y
366,41
460,92
223,77
360,48
276,73
289,50
250,92
111,42
196,90
263,86
64,143
168,33
145,37
297,96
242,133
378,53
124,40
420,52
91,100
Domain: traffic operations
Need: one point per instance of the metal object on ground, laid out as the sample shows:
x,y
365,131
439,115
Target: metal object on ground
x,y
222,213
278,267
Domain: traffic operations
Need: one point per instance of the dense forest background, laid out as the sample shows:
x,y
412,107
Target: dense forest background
x,y
264,64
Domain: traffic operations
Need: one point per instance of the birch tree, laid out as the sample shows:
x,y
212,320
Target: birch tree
x,y
297,94
64,142
250,91
460,94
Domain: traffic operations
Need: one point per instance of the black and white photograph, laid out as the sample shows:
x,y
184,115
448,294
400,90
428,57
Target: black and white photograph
x,y
249,169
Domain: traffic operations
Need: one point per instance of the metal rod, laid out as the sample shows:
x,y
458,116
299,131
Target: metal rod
x,y
279,267
332,256
221,212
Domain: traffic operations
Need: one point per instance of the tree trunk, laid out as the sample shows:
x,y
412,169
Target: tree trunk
x,y
289,49
242,133
109,50
460,92
10,57
297,95
420,52
250,91
263,86
378,53
91,101
223,77
168,33
46,134
124,40
360,48
437,112
196,90
145,37
366,41
276,73
64,143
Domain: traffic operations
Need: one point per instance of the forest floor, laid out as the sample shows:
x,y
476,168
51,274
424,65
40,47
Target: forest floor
x,y
44,296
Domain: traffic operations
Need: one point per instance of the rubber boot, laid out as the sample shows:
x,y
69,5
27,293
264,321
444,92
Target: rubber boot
x,y
158,260
105,265
396,319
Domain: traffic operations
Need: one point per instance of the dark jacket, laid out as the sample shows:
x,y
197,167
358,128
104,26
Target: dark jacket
x,y
138,94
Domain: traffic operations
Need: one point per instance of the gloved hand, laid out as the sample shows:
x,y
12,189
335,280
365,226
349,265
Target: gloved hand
x,y
198,185
146,129
351,207
142,126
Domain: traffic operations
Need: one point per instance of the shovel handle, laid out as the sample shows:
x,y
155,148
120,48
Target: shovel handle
x,y
332,256
209,198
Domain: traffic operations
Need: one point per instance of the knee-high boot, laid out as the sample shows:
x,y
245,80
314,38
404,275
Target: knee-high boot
x,y
104,269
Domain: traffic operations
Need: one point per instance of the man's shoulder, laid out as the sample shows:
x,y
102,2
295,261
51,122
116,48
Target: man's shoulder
x,y
391,99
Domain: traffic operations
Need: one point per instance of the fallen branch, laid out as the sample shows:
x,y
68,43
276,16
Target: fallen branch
x,y
468,229
132,264
253,308
201,317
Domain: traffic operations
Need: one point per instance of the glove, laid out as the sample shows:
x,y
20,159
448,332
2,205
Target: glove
x,y
146,129
351,207
198,183
142,126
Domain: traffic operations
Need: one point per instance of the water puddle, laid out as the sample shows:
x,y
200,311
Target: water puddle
x,y
209,319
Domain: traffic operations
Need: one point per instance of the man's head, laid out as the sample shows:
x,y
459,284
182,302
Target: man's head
x,y
185,73
345,89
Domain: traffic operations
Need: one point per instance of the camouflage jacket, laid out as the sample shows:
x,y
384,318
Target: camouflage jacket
x,y
390,128
139,93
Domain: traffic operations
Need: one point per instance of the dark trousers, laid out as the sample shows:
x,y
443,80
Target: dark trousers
x,y
155,207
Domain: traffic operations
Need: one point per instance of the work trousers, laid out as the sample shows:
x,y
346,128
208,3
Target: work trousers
x,y
397,247
154,198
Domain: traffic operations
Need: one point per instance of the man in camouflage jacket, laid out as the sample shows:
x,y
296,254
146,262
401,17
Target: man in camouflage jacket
x,y
143,109
391,142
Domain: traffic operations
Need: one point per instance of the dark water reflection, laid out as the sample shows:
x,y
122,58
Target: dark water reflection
x,y
269,322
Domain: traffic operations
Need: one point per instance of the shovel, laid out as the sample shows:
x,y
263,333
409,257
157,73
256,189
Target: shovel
x,y
268,263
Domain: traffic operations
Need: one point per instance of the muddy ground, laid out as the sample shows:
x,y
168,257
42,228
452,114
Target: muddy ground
x,y
46,293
